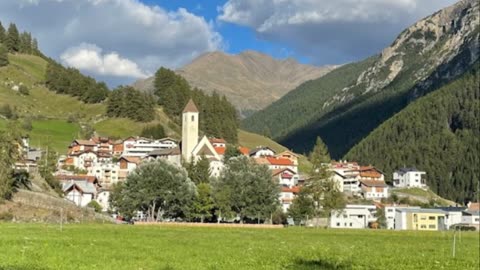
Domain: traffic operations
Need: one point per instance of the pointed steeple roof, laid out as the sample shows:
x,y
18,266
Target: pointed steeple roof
x,y
191,107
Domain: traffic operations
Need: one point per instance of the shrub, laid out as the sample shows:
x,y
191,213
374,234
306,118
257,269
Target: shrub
x,y
24,90
95,205
6,216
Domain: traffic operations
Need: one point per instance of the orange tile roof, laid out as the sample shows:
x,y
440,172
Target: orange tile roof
x,y
278,171
220,150
295,189
474,207
135,160
279,161
118,147
373,183
244,150
261,161
370,174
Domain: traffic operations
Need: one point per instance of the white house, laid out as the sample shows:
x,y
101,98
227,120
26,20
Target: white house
x,y
390,211
103,199
372,189
353,217
172,155
262,151
81,190
471,217
453,215
106,173
141,147
287,195
409,178
82,160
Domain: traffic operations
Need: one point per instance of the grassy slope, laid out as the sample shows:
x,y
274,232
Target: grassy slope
x,y
28,246
428,195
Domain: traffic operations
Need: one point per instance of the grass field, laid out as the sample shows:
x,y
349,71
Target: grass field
x,y
26,246
57,133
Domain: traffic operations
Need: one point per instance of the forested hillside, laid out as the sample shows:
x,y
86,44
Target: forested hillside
x,y
439,133
346,105
218,117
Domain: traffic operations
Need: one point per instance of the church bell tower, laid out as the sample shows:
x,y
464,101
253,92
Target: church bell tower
x,y
189,130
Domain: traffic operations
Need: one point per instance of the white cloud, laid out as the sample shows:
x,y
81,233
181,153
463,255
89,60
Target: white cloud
x,y
89,57
128,31
329,29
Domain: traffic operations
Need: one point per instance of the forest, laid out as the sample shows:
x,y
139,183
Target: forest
x,y
218,117
439,134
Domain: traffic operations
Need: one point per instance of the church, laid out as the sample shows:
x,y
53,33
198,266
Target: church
x,y
192,148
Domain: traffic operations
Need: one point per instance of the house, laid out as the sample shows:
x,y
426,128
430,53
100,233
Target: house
x,y
170,154
126,166
353,217
453,215
262,151
141,147
287,194
80,146
285,177
79,189
82,159
275,163
390,210
216,142
106,173
288,155
409,178
420,219
471,218
372,189
103,197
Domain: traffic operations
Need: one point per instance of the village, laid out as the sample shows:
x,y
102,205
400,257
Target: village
x,y
92,167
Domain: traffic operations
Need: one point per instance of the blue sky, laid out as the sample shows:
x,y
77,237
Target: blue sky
x,y
120,41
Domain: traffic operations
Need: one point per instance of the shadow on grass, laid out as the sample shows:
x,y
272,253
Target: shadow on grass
x,y
324,264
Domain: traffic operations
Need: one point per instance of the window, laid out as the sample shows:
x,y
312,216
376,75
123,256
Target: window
x,y
432,226
423,218
423,226
351,224
193,117
338,224
431,218
390,210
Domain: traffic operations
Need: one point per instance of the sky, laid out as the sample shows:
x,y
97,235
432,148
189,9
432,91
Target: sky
x,y
120,41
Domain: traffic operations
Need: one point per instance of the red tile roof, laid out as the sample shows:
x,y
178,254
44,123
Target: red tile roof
x,y
279,161
474,206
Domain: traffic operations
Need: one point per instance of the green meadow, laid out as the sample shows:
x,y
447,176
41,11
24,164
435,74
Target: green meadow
x,y
35,246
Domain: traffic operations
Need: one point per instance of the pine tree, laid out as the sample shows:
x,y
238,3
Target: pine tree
x,y
3,56
319,154
13,38
2,33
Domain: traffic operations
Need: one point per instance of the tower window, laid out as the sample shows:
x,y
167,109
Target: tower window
x,y
193,117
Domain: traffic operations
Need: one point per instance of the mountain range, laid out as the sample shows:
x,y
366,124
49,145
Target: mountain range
x,y
367,111
250,80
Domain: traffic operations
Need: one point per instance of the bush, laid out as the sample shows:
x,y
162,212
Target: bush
x,y
95,205
6,216
24,90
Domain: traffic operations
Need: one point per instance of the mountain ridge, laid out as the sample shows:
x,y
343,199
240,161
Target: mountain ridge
x,y
345,109
251,80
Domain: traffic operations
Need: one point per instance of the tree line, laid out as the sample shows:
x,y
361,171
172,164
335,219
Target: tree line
x,y
244,192
16,42
125,101
218,116
71,82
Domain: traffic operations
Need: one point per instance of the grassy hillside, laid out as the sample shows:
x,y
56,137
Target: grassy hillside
x,y
32,246
439,133
40,103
